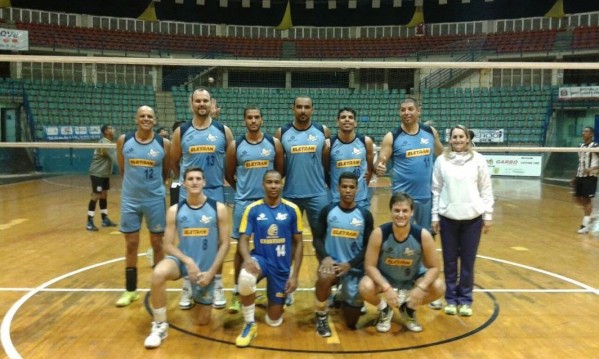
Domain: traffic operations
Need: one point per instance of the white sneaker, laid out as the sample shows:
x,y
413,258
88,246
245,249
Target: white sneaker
x,y
157,335
584,229
185,302
436,304
290,299
383,323
219,297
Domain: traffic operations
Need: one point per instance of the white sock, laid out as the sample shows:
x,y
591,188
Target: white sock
x,y
159,314
248,313
218,280
586,220
382,305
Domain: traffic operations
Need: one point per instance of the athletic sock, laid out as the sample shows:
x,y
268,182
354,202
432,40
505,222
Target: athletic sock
x,y
131,279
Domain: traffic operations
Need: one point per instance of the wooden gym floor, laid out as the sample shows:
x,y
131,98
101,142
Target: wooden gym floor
x,y
536,293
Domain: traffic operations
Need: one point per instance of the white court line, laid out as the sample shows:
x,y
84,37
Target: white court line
x,y
9,348
111,290
14,354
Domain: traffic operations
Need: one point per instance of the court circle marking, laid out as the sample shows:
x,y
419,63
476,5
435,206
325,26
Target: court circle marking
x,y
12,352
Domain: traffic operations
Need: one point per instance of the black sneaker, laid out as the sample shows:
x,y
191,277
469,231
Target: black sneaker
x,y
322,325
106,222
90,226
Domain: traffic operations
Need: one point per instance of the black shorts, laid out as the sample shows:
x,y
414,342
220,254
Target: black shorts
x,y
100,184
585,186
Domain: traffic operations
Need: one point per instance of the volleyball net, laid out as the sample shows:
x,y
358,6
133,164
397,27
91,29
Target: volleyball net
x,y
54,106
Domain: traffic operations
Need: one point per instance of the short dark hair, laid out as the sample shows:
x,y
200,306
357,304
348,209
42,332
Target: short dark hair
x,y
398,197
348,109
304,96
270,172
251,107
348,175
105,127
192,169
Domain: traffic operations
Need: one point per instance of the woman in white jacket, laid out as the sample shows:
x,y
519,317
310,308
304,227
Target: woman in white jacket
x,y
462,211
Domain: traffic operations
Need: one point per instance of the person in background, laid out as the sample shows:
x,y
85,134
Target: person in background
x,y
585,181
100,170
164,133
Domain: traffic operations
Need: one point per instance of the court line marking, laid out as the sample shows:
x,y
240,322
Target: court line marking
x,y
12,352
106,290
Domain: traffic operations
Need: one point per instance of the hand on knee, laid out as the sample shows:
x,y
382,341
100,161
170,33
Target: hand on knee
x,y
247,283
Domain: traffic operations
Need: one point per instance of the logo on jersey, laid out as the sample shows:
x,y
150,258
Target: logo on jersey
x,y
424,141
193,232
409,252
265,152
349,163
205,219
202,149
418,152
398,262
153,153
281,216
272,236
262,217
356,222
256,164
312,138
140,162
344,233
303,149
356,151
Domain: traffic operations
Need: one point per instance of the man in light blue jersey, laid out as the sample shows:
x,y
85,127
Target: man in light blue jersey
x,y
340,241
411,147
306,147
201,226
275,224
248,158
143,163
402,264
202,142
351,152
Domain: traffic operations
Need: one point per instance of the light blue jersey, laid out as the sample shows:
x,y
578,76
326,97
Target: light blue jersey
x,y
413,162
142,180
304,172
253,160
205,149
401,262
349,157
197,229
347,233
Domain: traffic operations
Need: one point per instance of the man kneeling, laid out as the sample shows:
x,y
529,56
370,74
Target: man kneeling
x,y
401,263
201,225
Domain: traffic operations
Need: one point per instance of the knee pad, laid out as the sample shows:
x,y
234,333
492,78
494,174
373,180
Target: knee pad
x,y
273,323
247,282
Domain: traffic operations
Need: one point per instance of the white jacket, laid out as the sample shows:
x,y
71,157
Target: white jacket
x,y
462,187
